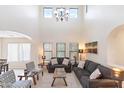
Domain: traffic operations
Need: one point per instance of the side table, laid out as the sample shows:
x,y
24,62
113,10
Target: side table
x,y
41,65
75,65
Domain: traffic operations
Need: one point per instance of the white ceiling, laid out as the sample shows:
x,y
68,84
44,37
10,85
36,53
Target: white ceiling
x,y
11,34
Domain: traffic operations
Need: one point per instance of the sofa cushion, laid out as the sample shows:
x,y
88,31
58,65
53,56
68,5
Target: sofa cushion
x,y
85,73
84,80
65,61
103,83
81,65
105,71
54,61
95,74
60,60
80,72
90,66
58,66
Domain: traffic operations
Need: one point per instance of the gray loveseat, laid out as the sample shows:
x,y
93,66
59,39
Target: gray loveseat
x,y
59,64
106,80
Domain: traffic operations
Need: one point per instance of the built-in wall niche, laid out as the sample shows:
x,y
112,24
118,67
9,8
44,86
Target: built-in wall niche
x,y
91,47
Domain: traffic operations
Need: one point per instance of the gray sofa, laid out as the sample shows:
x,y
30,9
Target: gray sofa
x,y
106,80
8,80
59,64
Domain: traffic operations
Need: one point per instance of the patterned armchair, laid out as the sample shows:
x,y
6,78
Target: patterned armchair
x,y
8,80
30,67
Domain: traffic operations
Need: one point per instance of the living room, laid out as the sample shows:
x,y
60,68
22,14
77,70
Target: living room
x,y
33,36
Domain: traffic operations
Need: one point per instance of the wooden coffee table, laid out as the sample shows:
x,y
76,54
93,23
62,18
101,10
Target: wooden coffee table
x,y
59,73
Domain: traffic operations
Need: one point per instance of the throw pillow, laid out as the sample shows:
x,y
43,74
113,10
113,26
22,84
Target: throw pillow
x,y
65,61
95,74
54,61
81,64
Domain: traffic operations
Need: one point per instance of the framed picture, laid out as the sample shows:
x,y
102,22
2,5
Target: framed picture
x,y
91,47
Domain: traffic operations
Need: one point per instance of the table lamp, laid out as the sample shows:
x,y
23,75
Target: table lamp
x,y
43,57
119,74
80,51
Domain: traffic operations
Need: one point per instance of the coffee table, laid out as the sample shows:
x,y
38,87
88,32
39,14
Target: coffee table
x,y
59,73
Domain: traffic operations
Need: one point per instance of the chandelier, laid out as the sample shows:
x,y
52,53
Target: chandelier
x,y
61,14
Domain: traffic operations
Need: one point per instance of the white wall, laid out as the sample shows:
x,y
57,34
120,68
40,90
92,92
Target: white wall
x,y
0,48
95,25
99,22
23,19
53,31
29,20
116,47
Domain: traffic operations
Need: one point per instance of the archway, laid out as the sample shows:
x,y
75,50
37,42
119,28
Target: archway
x,y
115,49
14,47
13,34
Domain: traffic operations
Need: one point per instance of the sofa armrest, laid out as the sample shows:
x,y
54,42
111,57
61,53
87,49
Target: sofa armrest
x,y
69,64
50,63
103,83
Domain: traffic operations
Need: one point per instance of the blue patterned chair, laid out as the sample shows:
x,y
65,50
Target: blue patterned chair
x,y
8,80
30,67
31,71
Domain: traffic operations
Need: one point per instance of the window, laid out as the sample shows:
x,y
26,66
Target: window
x,y
19,52
60,49
12,52
73,12
24,51
61,11
48,12
73,50
47,49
